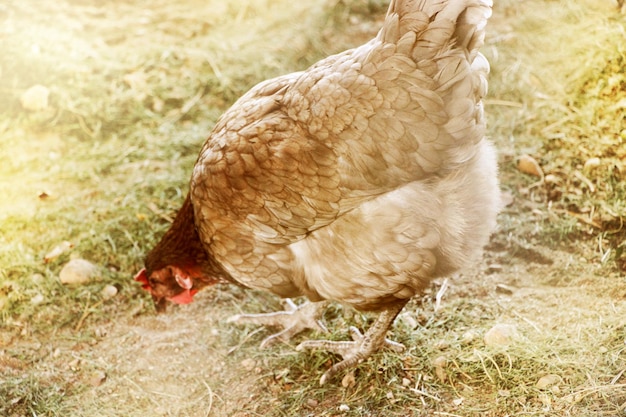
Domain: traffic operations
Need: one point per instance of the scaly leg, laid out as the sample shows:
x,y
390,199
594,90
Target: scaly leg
x,y
363,346
293,321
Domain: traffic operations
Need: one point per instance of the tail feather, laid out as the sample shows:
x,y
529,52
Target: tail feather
x,y
436,25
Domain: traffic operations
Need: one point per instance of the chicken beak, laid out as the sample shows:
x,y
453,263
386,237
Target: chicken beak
x,y
160,304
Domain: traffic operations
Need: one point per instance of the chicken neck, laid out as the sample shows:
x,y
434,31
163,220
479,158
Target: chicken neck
x,y
181,247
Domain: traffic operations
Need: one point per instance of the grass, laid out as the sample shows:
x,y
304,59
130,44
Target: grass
x,y
133,95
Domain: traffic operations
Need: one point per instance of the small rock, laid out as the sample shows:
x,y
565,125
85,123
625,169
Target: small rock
x,y
406,382
311,402
37,278
552,179
469,336
248,364
35,98
547,381
504,289
344,407
500,335
97,378
108,292
38,299
78,271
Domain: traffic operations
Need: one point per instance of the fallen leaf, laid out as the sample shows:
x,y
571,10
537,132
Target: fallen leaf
x,y
529,165
57,251
348,380
591,163
440,364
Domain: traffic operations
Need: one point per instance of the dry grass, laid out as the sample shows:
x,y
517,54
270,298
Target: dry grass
x,y
134,92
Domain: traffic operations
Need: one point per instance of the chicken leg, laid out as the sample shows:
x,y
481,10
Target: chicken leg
x,y
293,321
362,346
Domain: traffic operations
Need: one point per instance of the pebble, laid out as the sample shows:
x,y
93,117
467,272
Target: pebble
x,y
38,299
108,292
248,364
501,335
504,289
37,278
78,271
469,336
311,402
344,407
97,378
35,98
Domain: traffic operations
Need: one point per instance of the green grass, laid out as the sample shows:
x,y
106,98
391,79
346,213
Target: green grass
x,y
134,93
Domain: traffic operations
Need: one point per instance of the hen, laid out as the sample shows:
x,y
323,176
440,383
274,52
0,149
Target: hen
x,y
358,180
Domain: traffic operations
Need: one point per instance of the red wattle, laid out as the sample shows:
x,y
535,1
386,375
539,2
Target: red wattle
x,y
184,297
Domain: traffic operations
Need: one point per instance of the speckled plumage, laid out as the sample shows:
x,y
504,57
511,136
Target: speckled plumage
x,y
363,177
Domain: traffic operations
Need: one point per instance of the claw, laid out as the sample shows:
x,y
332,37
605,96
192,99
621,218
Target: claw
x,y
293,321
361,347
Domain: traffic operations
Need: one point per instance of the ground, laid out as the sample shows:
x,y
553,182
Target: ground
x,y
133,92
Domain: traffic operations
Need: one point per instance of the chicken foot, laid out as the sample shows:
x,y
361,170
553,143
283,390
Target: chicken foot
x,y
293,321
362,346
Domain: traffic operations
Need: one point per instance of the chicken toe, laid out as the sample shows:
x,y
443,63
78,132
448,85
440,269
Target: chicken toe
x,y
293,320
362,346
